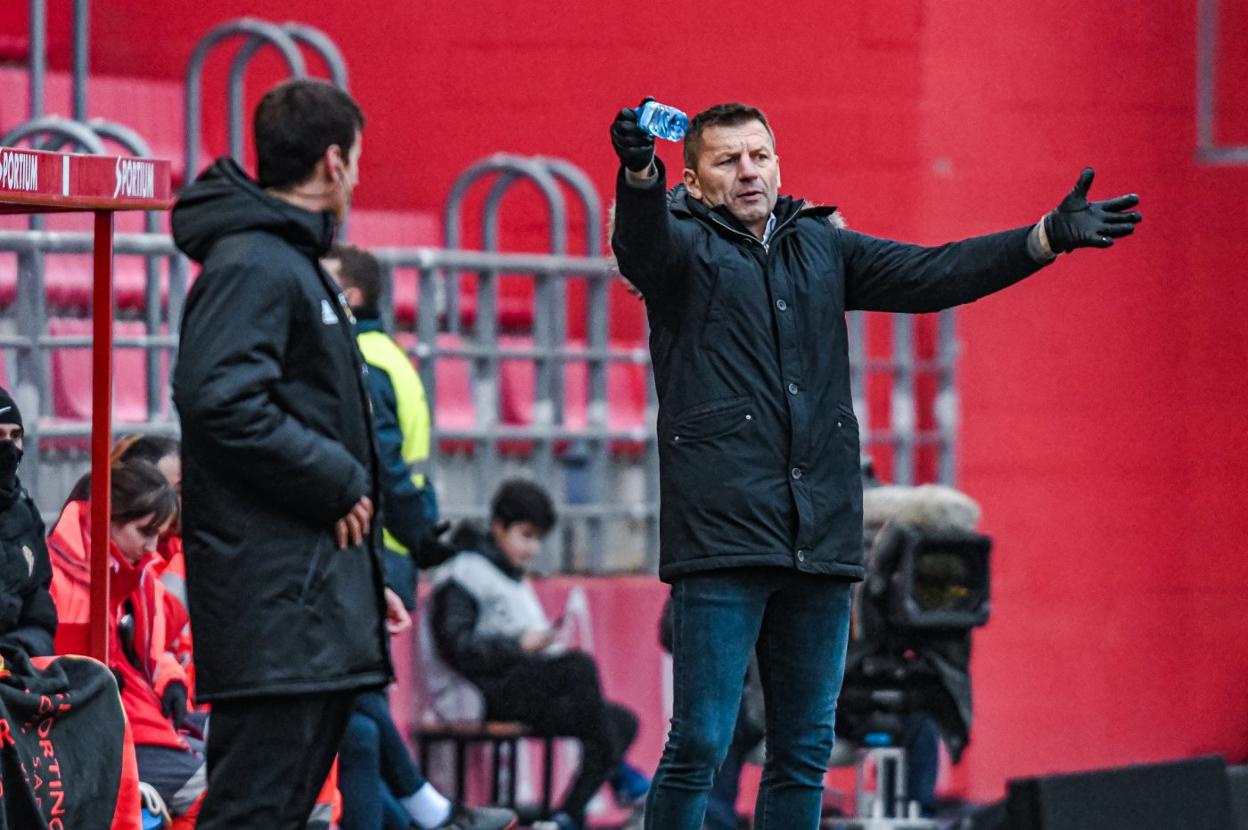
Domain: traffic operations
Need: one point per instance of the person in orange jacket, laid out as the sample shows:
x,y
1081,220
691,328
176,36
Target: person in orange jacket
x,y
154,685
165,454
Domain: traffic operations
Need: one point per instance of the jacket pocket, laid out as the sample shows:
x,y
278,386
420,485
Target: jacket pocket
x,y
711,420
316,568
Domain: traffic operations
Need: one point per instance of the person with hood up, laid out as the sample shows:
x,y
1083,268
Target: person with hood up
x,y
285,581
760,492
27,614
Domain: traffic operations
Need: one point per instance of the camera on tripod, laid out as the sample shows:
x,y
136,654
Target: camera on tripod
x,y
928,586
907,668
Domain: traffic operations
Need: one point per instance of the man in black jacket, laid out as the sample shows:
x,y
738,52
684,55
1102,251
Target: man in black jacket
x,y
27,614
761,499
284,576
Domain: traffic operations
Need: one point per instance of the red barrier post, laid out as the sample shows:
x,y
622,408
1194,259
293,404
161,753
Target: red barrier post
x,y
101,430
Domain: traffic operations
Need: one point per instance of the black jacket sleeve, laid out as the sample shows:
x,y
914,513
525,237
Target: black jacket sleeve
x,y
646,238
883,275
230,365
454,614
36,626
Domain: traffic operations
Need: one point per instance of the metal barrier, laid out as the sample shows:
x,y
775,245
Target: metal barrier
x,y
432,266
255,30
586,461
310,36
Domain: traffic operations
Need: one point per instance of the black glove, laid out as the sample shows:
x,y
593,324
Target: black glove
x,y
632,144
433,551
173,703
1078,223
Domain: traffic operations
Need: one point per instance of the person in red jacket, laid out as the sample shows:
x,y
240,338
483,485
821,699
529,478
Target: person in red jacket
x,y
165,454
154,684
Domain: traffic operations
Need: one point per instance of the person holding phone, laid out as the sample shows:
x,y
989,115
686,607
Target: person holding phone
x,y
487,629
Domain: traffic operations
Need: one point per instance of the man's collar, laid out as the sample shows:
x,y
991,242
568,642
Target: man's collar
x,y
771,226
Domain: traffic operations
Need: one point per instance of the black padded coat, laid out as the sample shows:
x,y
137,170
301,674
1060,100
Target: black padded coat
x,y
277,445
27,614
758,443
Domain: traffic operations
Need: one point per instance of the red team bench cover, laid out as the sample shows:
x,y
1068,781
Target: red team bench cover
x,y
66,755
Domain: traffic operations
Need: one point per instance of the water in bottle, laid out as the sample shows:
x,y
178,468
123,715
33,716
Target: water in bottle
x,y
662,121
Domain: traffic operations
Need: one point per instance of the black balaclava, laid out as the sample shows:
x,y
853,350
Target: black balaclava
x,y
10,453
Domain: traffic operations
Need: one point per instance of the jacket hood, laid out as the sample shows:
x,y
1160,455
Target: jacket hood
x,y
225,200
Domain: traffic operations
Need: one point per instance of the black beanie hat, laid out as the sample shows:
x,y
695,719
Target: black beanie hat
x,y
9,413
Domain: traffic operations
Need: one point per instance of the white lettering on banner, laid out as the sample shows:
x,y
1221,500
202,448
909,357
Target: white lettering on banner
x,y
19,171
135,179
577,620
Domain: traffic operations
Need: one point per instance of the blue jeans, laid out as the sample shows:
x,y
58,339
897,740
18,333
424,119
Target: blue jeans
x,y
721,804
375,769
799,624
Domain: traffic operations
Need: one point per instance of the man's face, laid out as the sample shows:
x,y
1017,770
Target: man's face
x,y
11,432
333,267
737,168
346,172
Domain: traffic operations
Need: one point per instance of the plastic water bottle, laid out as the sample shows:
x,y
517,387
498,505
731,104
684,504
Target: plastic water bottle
x,y
662,121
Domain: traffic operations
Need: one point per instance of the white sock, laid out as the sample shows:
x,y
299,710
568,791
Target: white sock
x,y
427,807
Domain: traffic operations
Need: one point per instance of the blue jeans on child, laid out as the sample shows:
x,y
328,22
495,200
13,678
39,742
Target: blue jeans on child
x,y
375,768
799,624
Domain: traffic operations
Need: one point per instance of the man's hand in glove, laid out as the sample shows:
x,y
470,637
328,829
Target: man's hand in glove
x,y
632,144
173,703
433,551
1078,223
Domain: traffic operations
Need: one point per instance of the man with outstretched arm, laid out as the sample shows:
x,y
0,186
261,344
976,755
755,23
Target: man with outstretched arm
x,y
761,498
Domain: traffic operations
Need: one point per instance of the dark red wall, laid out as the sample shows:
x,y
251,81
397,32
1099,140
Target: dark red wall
x,y
1103,400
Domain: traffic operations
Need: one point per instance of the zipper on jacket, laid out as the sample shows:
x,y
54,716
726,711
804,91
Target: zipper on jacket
x,y
752,237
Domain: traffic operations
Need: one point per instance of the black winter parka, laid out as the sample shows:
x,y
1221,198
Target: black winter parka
x,y
27,613
758,443
277,445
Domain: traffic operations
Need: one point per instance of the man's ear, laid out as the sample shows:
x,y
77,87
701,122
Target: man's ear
x,y
690,178
355,297
335,164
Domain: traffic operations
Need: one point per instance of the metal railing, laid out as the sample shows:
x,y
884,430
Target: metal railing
x,y
599,491
433,268
286,39
1208,149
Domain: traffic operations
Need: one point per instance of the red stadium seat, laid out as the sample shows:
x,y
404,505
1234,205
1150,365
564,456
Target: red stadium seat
x,y
390,228
626,402
454,407
71,374
626,396
68,277
150,106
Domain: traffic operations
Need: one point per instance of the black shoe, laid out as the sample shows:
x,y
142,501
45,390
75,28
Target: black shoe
x,y
480,818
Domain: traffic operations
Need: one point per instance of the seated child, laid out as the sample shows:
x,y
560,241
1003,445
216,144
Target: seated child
x,y
487,625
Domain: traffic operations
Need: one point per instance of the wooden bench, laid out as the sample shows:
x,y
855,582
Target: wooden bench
x,y
504,738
